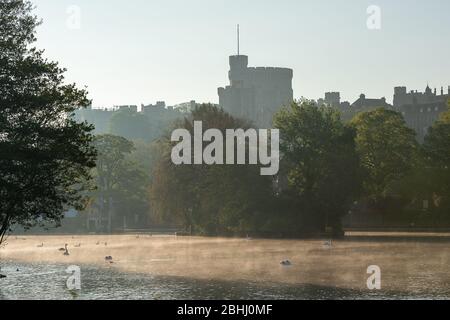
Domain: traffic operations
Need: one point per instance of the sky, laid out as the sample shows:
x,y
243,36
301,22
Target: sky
x,y
143,51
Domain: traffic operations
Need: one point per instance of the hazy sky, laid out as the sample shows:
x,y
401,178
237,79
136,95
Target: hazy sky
x,y
141,51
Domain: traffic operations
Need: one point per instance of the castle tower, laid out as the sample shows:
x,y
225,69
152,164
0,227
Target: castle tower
x,y
400,96
255,94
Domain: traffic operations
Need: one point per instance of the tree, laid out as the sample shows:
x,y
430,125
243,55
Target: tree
x,y
132,125
122,185
437,153
45,156
209,199
387,148
437,142
320,163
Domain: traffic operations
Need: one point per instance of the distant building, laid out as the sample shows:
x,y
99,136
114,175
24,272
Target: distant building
x,y
129,108
333,100
421,109
402,97
256,94
100,118
160,106
364,104
158,113
186,107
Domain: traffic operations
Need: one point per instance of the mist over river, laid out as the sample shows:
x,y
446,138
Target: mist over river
x,y
159,268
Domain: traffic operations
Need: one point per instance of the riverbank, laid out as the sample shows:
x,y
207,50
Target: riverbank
x,y
407,265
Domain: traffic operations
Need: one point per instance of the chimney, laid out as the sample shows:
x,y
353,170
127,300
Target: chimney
x,y
435,91
442,91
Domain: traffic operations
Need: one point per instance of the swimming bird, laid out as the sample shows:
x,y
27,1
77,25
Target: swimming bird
x,y
109,259
40,245
66,251
2,276
328,244
78,245
286,263
63,249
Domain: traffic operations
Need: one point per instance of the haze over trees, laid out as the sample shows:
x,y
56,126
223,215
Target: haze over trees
x,y
132,125
436,150
320,163
45,156
209,200
121,195
50,163
387,148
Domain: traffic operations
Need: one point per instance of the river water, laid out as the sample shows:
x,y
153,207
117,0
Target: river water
x,y
174,268
48,282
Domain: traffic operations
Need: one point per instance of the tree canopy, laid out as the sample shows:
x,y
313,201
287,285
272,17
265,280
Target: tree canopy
x,y
387,148
45,156
320,163
121,194
216,199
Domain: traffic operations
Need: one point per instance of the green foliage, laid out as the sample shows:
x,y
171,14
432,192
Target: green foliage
x,y
132,125
145,155
213,200
437,142
122,184
320,162
147,127
387,148
437,151
45,156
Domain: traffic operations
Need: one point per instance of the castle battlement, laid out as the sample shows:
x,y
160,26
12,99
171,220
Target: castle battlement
x,y
256,93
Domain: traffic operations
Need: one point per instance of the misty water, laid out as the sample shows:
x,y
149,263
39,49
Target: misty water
x,y
48,281
201,268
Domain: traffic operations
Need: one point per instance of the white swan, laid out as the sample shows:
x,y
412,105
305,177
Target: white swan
x,y
328,244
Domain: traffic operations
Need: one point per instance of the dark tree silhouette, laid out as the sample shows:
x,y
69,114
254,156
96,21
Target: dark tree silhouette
x,y
45,156
321,164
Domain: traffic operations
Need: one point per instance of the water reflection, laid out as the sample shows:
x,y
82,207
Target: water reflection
x,y
48,281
